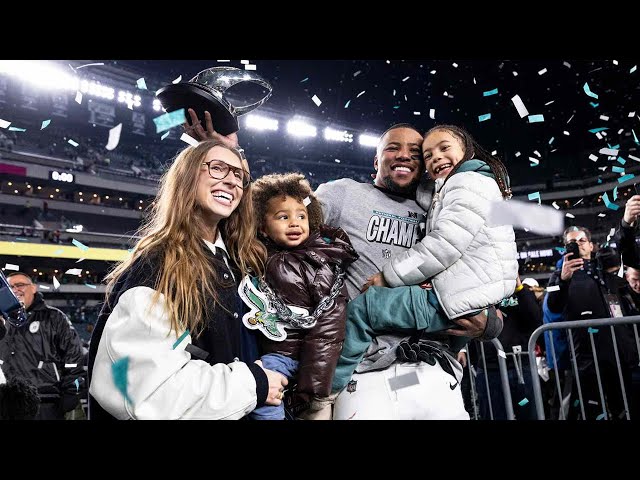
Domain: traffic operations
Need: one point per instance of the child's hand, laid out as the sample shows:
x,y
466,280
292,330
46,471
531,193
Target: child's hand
x,y
376,280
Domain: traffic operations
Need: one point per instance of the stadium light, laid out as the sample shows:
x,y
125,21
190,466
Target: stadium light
x,y
368,140
258,122
337,135
298,128
45,75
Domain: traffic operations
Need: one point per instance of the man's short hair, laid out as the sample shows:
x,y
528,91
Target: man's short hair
x,y
400,125
13,274
576,229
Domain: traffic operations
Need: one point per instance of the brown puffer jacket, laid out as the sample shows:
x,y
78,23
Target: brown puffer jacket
x,y
302,277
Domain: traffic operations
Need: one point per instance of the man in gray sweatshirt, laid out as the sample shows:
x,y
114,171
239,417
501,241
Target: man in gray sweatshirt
x,y
383,220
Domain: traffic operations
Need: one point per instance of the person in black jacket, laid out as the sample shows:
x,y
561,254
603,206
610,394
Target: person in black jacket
x,y
588,290
522,315
627,233
46,351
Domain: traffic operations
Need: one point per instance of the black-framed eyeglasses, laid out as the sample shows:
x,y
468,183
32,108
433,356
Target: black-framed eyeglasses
x,y
580,240
219,170
19,286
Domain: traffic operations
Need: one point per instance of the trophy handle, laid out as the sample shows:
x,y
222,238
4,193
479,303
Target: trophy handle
x,y
247,108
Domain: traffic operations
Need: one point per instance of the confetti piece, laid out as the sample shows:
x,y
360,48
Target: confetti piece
x,y
631,114
633,69
74,271
180,339
17,129
594,105
304,80
45,124
416,113
534,162
357,73
455,65
88,65
190,140
523,402
72,143
569,215
601,215
537,153
119,371
615,192
600,417
76,382
542,72
56,283
554,288
634,158
635,139
482,118
79,97
114,137
488,93
346,105
515,74
628,176
337,160
362,92
432,113
80,245
536,118
4,123
405,79
316,100
141,84
177,80
604,117
244,62
592,330
617,169
165,135
610,205
587,312
608,151
551,141
306,201
78,261
502,354
588,91
538,219
90,286
58,251
169,120
43,287
621,271
566,64
578,202
555,205
596,130
522,110
250,66
517,154
534,196
11,266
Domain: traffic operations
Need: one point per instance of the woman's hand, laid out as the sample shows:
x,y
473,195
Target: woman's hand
x,y
197,131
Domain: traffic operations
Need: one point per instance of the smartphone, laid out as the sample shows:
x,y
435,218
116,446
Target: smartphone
x,y
574,250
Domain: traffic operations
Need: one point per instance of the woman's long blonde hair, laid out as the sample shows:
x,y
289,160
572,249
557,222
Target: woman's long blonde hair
x,y
174,232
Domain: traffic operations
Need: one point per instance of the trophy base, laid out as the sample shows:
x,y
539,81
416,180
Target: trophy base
x,y
188,95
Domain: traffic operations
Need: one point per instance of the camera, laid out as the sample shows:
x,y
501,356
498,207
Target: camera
x,y
11,308
574,249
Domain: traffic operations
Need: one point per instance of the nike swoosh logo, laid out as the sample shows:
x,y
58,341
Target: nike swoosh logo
x,y
453,387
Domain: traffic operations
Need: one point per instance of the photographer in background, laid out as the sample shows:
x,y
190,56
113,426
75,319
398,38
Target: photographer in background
x,y
627,232
46,351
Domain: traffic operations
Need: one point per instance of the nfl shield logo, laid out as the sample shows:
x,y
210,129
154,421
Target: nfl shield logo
x,y
351,386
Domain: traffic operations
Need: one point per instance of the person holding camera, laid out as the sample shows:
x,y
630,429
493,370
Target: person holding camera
x,y
588,288
627,233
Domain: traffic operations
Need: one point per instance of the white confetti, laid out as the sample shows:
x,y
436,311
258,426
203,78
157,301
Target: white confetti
x,y
179,79
522,110
79,97
565,132
537,153
593,157
362,92
337,160
566,64
555,205
602,215
515,74
609,151
244,62
539,219
633,69
56,283
455,65
11,266
615,62
604,117
631,114
78,261
620,131
406,78
250,66
502,354
517,154
621,271
598,135
587,312
554,288
432,113
87,65
633,158
43,287
114,137
571,118
316,100
416,113
306,201
549,103
534,160
542,72
74,271
570,215
190,140
432,72
4,123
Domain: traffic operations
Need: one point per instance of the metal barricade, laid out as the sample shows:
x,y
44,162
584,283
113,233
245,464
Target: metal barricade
x,y
569,326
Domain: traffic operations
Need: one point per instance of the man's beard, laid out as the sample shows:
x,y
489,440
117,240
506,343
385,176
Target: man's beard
x,y
408,189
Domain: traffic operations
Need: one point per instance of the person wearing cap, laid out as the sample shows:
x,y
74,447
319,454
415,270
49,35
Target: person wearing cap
x,y
46,351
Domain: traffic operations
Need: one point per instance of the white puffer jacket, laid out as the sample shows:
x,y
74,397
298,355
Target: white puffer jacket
x,y
470,264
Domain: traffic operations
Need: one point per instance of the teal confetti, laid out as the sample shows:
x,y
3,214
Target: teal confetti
x,y
17,129
561,250
490,92
58,251
536,118
304,80
621,160
596,130
130,250
45,124
617,169
588,91
72,143
592,330
164,135
576,403
614,147
609,204
169,120
533,164
635,139
551,141
599,180
615,194
80,245
396,106
77,384
523,402
594,105
182,337
327,239
142,85
600,417
346,105
22,239
90,286
482,118
628,176
534,196
119,371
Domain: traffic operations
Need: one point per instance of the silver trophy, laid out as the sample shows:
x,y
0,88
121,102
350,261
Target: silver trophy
x,y
206,91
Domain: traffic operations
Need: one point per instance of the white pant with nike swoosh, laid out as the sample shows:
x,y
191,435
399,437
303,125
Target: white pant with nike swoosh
x,y
404,391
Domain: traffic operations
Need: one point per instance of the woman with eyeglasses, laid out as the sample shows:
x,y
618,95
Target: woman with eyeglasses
x,y
169,342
